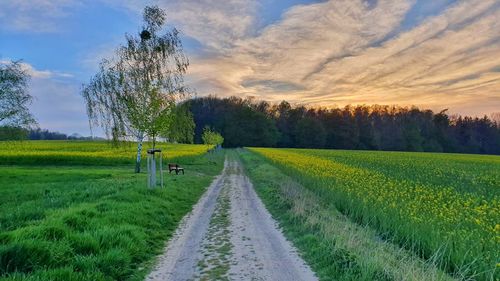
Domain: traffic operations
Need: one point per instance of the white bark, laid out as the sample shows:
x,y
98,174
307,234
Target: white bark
x,y
140,139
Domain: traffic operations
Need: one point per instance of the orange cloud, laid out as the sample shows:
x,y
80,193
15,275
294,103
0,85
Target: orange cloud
x,y
348,52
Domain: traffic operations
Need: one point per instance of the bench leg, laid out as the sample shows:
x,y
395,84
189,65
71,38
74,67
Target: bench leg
x,y
183,172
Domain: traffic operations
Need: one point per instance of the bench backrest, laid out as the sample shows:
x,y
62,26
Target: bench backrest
x,y
172,166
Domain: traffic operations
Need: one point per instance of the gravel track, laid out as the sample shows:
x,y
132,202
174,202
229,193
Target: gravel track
x,y
229,235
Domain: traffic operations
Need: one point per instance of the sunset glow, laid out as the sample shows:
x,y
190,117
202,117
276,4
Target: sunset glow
x,y
432,54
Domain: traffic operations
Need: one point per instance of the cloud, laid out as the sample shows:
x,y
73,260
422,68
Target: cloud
x,y
458,45
355,52
39,74
58,105
36,16
306,39
443,54
218,25
277,86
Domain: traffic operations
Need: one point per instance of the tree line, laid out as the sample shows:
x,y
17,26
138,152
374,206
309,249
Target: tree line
x,y
247,122
8,133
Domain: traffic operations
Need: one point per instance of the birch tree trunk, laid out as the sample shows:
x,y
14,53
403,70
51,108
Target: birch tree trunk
x,y
140,138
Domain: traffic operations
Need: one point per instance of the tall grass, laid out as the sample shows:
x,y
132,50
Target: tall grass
x,y
412,199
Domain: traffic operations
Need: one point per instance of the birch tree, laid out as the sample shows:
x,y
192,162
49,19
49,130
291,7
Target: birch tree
x,y
133,94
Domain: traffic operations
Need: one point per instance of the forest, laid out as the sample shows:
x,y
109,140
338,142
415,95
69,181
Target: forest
x,y
248,122
252,123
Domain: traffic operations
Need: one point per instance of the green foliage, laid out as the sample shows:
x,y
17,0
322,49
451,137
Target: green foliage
x,y
211,137
245,126
134,94
14,96
310,133
12,133
181,129
444,207
236,119
92,222
247,122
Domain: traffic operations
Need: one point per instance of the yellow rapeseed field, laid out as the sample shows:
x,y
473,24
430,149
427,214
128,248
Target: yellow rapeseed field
x,y
86,152
444,207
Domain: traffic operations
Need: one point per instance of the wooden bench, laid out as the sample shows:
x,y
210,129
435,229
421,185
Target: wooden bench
x,y
176,168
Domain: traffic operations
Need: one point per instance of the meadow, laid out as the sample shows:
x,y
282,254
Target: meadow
x,y
73,210
444,208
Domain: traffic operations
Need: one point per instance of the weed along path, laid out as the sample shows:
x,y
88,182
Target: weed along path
x,y
230,235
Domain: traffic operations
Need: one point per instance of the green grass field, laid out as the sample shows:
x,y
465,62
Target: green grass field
x,y
76,211
444,208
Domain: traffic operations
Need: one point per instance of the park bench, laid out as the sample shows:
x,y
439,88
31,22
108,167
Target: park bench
x,y
176,168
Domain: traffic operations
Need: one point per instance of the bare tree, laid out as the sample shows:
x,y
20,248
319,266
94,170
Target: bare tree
x,y
134,93
14,96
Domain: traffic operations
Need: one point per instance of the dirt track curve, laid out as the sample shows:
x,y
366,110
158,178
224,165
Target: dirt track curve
x,y
229,235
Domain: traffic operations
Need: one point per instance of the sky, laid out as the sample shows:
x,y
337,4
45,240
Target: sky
x,y
440,54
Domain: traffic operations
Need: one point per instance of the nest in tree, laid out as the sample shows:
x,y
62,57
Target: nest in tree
x,y
145,35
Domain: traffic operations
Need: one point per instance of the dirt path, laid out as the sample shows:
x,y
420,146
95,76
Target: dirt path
x,y
230,235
